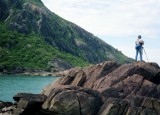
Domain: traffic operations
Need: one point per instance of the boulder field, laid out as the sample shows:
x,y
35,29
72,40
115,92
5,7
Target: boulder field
x,y
104,89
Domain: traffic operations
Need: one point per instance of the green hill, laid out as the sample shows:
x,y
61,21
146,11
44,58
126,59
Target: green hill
x,y
32,37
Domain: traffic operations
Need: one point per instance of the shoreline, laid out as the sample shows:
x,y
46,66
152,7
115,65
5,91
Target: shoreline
x,y
32,74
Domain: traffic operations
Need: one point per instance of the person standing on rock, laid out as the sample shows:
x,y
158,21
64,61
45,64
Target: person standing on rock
x,y
139,47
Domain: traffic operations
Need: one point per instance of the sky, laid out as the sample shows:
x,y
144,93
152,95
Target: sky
x,y
117,22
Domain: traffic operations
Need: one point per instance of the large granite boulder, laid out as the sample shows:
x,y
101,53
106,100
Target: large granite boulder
x,y
71,100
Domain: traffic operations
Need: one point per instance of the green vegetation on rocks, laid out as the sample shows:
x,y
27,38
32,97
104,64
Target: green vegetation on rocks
x,y
30,51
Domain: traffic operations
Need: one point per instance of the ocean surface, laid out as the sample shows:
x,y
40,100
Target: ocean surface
x,y
11,85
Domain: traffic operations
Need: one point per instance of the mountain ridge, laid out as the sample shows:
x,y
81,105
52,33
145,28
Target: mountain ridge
x,y
32,18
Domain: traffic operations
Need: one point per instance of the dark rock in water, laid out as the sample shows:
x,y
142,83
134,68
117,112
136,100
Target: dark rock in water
x,y
28,96
27,107
28,104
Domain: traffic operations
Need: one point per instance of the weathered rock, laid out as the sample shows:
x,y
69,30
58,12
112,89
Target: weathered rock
x,y
84,77
149,72
134,101
71,100
109,92
29,96
113,106
4,104
148,112
27,107
148,89
80,79
130,85
147,103
134,111
156,105
144,105
99,71
28,104
69,77
141,106
8,110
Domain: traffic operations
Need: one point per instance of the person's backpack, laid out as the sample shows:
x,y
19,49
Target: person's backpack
x,y
141,42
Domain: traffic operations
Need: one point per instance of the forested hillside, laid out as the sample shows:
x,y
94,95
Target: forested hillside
x,y
33,37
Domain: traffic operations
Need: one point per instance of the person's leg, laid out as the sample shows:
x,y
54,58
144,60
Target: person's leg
x,y
136,54
140,52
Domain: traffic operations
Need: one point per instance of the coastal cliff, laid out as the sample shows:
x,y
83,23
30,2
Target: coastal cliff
x,y
104,89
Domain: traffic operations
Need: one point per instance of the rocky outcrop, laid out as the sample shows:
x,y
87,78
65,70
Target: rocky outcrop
x,y
124,89
103,89
84,77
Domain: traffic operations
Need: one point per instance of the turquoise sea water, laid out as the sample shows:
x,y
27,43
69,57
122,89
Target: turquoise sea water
x,y
11,85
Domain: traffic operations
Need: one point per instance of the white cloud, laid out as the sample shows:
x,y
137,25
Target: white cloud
x,y
118,19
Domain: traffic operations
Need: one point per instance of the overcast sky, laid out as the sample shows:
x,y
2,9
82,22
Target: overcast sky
x,y
117,22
